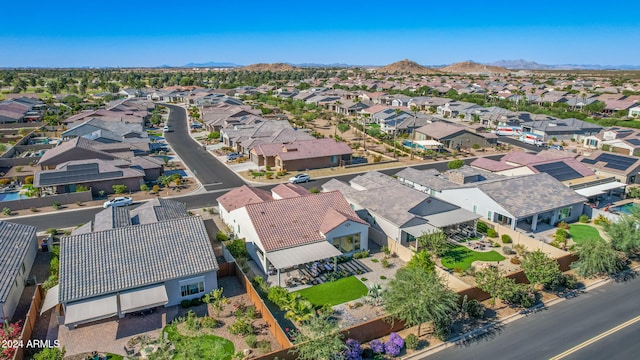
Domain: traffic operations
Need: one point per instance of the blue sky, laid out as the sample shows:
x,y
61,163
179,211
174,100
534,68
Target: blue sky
x,y
81,33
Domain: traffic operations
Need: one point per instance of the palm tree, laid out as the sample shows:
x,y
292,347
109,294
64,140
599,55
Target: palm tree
x,y
413,130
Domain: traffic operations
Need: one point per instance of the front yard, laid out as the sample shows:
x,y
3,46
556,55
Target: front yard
x,y
461,257
335,292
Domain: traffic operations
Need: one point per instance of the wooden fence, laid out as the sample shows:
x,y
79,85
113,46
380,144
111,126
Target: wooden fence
x,y
30,320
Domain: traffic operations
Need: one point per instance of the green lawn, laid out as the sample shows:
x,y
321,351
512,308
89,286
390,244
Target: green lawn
x,y
461,257
199,347
580,233
335,292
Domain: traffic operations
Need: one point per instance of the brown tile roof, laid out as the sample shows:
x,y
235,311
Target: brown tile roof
x,y
491,165
304,149
287,190
81,143
243,196
299,220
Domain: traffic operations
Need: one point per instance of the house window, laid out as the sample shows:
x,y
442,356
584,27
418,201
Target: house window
x,y
347,243
334,159
475,208
505,220
489,216
564,212
192,287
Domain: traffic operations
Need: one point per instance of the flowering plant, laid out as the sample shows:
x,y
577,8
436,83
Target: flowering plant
x,y
394,345
9,332
353,350
377,346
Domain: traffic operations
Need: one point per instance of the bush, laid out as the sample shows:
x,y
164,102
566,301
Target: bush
x,y
251,341
33,209
314,190
264,346
561,235
377,158
56,205
506,239
475,309
563,225
185,304
119,189
377,346
385,263
4,181
6,211
361,254
455,164
28,179
237,248
601,220
584,218
241,327
155,189
143,187
196,302
220,236
353,350
209,322
412,341
515,260
492,233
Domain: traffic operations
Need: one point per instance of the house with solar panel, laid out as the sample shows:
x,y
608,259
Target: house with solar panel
x,y
561,129
620,140
531,202
18,250
624,168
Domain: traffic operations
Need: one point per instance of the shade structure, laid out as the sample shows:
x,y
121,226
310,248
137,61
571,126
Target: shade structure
x,y
450,218
51,299
91,310
286,258
143,298
600,189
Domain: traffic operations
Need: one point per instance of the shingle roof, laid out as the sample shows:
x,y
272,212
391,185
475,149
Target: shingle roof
x,y
129,257
525,195
297,221
243,196
15,240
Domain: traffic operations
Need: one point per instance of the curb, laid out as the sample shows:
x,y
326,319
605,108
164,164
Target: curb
x,y
513,317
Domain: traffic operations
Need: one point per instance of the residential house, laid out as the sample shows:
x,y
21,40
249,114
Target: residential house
x,y
97,175
453,136
243,138
453,109
616,139
158,264
79,148
398,214
561,129
520,202
18,246
559,164
606,164
291,227
109,132
634,111
302,154
220,115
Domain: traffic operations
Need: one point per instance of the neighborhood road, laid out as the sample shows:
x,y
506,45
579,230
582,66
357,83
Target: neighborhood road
x,y
584,327
212,174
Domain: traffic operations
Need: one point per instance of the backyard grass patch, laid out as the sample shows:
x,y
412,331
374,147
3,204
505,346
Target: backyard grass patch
x,y
111,356
199,347
335,292
461,257
581,233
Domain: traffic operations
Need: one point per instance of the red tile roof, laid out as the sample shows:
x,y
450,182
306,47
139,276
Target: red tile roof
x,y
299,220
243,196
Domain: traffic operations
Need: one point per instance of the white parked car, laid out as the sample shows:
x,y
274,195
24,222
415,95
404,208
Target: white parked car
x,y
166,128
118,201
300,178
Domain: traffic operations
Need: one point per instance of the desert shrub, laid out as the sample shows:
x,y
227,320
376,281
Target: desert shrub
x,y
33,209
563,225
561,235
4,181
143,187
119,188
251,341
506,239
411,341
192,322
155,189
361,254
209,322
385,263
56,205
475,308
515,260
492,233
482,227
264,346
6,211
314,190
520,295
28,179
377,158
584,218
241,327
601,220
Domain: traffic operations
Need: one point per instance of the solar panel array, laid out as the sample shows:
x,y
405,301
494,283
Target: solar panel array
x,y
613,161
634,142
559,170
76,174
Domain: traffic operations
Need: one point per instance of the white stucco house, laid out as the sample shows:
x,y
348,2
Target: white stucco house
x,y
289,226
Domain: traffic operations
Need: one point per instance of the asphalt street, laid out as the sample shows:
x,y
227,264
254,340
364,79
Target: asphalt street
x,y
568,327
212,174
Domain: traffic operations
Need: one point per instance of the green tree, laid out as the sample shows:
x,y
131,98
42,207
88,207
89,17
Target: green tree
x,y
455,164
435,242
50,353
624,233
423,260
417,296
492,281
539,268
598,258
318,339
119,189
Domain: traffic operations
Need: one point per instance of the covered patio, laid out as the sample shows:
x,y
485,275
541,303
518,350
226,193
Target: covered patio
x,y
459,225
285,260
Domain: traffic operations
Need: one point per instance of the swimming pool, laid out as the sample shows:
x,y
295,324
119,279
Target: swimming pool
x,y
12,195
408,143
624,209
